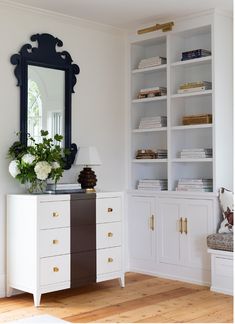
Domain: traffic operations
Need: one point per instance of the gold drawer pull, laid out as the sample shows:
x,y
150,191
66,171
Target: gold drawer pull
x,y
185,226
110,260
55,241
181,225
110,234
56,269
110,210
55,214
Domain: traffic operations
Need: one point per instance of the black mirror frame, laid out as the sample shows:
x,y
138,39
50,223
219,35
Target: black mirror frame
x,y
45,55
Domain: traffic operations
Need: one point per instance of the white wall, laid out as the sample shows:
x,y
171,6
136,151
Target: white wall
x,y
98,104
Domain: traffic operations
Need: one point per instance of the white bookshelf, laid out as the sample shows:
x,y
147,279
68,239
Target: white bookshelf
x,y
176,136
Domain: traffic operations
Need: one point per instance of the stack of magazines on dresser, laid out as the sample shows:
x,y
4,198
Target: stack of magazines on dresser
x,y
196,153
200,185
153,122
189,55
196,86
152,92
152,61
151,184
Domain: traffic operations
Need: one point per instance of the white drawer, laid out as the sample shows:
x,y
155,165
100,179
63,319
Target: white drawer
x,y
54,270
108,209
54,242
109,260
108,235
54,214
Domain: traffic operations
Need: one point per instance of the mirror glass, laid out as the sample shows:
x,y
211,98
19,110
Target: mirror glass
x,y
46,101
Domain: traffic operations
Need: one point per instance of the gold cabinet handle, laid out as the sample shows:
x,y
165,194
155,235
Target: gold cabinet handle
x,y
55,214
110,210
181,225
110,260
55,241
185,226
110,234
56,269
151,222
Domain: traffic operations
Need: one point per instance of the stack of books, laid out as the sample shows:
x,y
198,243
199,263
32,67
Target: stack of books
x,y
200,185
152,92
189,55
64,188
153,122
146,154
196,153
151,184
197,119
161,154
152,61
189,87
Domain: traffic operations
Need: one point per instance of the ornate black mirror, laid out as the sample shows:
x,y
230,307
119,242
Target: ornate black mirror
x,y
46,79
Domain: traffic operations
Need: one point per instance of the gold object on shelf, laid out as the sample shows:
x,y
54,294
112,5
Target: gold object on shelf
x,y
55,214
110,260
56,269
55,241
181,225
164,27
110,234
185,225
110,210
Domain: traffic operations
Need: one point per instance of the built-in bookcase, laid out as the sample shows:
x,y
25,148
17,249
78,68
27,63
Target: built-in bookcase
x,y
175,136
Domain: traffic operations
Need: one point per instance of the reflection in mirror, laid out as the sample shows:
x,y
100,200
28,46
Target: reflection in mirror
x,y
46,101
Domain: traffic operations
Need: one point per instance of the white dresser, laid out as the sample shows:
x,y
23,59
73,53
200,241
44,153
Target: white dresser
x,y
39,242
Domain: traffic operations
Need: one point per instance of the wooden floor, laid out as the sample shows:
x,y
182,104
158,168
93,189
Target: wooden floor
x,y
145,299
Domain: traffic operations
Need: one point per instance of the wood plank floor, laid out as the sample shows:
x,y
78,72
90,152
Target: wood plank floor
x,y
145,299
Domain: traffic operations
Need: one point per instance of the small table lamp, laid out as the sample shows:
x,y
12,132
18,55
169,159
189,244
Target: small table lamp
x,y
88,156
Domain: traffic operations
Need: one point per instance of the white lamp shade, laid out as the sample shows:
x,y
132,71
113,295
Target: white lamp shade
x,y
88,155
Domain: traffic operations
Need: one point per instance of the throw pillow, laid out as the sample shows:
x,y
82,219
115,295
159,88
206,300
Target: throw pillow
x,y
226,204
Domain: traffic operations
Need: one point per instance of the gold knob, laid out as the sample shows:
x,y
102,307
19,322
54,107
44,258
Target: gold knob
x,y
110,260
181,225
110,234
55,241
56,269
55,214
110,210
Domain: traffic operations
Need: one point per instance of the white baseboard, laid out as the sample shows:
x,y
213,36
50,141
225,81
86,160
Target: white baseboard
x,y
2,286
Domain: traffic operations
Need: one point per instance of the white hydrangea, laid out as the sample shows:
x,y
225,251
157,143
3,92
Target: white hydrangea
x,y
13,168
42,170
28,158
55,165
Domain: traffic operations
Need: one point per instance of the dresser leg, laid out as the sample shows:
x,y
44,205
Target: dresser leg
x,y
122,281
36,299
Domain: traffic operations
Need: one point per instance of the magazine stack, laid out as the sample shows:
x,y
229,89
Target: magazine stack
x,y
155,185
153,122
189,87
189,55
196,153
152,92
200,185
152,61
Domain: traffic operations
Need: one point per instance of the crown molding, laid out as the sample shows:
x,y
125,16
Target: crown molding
x,y
71,20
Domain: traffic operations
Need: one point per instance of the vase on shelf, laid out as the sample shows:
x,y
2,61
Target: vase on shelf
x,y
36,187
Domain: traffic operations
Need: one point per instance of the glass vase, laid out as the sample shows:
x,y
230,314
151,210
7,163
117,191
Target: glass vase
x,y
36,187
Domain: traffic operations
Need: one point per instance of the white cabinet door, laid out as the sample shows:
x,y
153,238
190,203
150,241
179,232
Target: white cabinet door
x,y
198,216
141,228
168,229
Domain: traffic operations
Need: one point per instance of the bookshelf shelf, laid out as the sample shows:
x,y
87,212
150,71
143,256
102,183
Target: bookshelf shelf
x,y
149,130
197,61
160,98
189,127
192,94
179,160
150,69
149,161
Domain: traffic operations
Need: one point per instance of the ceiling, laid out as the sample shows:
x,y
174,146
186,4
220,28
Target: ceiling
x,y
127,14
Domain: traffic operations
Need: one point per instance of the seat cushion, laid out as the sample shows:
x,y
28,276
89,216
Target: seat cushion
x,y
220,241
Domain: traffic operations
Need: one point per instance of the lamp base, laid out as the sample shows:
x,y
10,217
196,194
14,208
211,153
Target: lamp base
x,y
88,179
